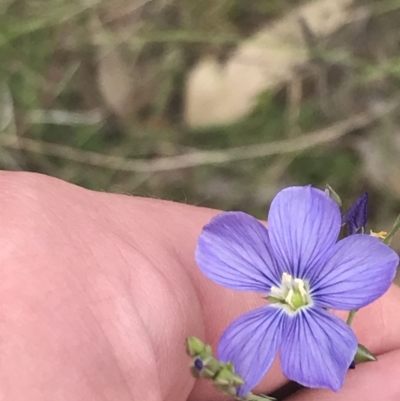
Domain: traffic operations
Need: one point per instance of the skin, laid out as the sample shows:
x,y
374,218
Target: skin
x,y
98,292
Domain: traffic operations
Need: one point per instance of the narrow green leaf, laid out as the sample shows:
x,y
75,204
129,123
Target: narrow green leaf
x,y
333,194
194,346
393,231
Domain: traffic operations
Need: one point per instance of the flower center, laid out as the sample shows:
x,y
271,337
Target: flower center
x,y
293,293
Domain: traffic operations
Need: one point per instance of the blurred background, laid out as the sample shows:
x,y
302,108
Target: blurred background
x,y
218,103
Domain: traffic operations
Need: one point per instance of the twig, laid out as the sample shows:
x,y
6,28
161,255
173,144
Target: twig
x,y
201,158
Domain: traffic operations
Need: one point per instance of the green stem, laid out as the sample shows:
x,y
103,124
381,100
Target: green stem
x,y
350,318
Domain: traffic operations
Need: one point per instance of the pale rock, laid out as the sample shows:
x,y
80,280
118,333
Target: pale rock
x,y
220,94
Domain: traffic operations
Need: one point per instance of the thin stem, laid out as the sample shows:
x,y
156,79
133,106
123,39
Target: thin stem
x,y
350,318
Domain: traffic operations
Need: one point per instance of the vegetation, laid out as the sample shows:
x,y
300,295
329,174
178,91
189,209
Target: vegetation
x,y
59,116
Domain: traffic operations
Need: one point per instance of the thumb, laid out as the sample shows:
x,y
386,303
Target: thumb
x,y
368,382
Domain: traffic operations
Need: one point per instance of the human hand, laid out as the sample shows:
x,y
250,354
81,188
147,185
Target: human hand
x,y
99,291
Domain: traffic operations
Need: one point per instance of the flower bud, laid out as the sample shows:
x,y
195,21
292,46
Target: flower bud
x,y
223,382
194,346
196,367
224,377
205,366
363,355
227,381
356,216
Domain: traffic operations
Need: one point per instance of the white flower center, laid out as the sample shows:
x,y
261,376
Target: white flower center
x,y
293,293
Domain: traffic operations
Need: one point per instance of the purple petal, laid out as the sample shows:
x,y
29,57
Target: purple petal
x,y
303,224
234,250
317,349
356,216
359,271
251,343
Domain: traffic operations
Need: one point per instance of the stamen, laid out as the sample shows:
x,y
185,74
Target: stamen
x,y
276,292
293,292
380,234
289,297
301,288
287,280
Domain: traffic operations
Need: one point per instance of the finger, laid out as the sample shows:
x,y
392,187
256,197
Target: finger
x,y
69,330
179,226
376,326
166,234
368,382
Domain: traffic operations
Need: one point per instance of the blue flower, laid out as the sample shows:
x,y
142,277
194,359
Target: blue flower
x,y
356,216
302,269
